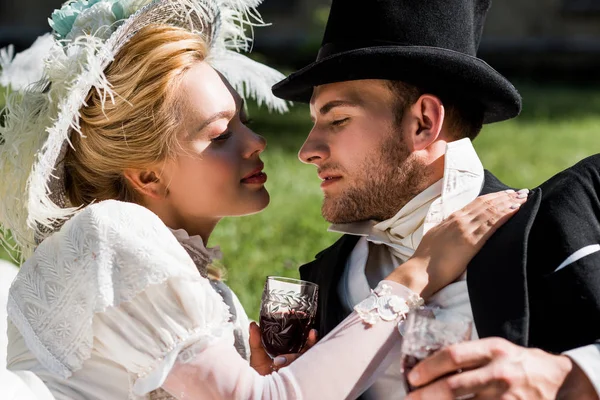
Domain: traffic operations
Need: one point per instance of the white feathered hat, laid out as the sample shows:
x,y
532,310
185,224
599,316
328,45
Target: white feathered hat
x,y
87,34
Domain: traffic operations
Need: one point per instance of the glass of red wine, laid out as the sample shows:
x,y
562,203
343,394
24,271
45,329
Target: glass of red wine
x,y
425,331
287,312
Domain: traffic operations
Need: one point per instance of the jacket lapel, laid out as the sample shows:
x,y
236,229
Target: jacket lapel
x,y
497,275
326,271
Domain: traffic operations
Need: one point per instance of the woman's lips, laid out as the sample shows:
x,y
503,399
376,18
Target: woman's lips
x,y
257,178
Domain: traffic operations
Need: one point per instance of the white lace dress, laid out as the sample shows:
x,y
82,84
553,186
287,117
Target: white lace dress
x,y
113,307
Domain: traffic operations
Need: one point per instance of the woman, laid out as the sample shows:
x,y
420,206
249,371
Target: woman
x,y
146,150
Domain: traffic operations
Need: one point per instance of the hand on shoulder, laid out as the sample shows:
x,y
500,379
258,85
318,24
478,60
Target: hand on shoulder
x,y
446,249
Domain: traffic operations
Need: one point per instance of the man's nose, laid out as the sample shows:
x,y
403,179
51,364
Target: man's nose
x,y
314,150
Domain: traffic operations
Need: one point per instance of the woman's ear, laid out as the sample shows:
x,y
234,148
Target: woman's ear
x,y
146,182
428,115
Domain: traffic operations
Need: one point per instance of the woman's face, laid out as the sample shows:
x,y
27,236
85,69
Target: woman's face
x,y
218,171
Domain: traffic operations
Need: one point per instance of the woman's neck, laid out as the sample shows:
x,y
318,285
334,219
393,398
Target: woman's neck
x,y
194,226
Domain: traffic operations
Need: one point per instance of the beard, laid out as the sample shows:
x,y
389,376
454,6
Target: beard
x,y
389,179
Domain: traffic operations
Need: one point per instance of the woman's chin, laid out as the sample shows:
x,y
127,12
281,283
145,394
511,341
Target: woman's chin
x,y
256,204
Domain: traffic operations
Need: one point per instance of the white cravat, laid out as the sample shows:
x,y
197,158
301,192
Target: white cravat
x,y
387,244
402,234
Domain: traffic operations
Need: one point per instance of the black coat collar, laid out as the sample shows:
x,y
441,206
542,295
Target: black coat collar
x,y
326,271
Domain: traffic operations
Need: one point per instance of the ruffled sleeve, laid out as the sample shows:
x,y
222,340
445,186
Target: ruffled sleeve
x,y
114,279
145,335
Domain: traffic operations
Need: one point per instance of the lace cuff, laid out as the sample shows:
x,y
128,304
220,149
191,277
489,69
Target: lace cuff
x,y
383,304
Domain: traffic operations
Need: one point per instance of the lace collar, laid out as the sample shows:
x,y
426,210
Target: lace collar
x,y
200,254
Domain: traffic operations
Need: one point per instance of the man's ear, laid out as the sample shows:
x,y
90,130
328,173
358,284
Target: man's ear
x,y
427,119
146,182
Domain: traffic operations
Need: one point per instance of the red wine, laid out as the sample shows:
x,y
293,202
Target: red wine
x,y
284,333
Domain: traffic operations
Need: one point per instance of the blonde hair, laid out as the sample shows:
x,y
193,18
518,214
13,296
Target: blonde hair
x,y
139,128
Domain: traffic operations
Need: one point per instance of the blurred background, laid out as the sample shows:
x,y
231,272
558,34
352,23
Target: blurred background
x,y
550,49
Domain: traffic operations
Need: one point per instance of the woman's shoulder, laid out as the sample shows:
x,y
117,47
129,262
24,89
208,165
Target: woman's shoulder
x,y
112,235
109,225
104,256
113,214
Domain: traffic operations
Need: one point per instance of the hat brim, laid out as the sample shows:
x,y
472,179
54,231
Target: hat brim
x,y
448,71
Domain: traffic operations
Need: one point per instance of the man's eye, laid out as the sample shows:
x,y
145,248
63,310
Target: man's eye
x,y
222,137
339,122
247,121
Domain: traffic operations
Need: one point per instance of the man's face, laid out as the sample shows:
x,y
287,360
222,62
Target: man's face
x,y
359,148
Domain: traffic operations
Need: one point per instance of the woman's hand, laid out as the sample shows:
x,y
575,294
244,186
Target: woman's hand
x,y
260,360
446,249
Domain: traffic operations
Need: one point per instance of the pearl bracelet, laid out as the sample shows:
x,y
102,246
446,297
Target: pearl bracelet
x,y
382,304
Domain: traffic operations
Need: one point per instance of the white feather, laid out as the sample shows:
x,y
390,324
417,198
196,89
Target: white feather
x,y
41,117
27,66
250,78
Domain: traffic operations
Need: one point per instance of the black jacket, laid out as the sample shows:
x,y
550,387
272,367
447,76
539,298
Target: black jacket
x,y
514,290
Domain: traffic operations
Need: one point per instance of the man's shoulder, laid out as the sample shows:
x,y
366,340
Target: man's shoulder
x,y
492,184
568,217
582,178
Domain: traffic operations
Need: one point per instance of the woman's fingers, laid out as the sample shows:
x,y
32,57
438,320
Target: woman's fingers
x,y
286,359
492,212
259,359
496,203
312,339
482,217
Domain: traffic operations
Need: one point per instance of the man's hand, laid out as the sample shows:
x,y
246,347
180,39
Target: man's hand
x,y
260,360
495,368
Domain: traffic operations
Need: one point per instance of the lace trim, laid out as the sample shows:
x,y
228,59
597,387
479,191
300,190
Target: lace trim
x,y
199,253
31,339
381,304
104,256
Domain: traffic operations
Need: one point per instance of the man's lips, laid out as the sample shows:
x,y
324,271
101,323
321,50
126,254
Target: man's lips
x,y
328,176
328,179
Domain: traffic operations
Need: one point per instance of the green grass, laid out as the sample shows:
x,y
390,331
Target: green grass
x,y
558,127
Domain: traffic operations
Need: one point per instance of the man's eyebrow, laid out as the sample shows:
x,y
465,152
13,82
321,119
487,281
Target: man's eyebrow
x,y
337,103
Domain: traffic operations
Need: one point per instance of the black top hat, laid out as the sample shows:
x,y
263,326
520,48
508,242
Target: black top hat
x,y
429,43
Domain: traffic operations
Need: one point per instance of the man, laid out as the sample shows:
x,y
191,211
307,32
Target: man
x,y
396,95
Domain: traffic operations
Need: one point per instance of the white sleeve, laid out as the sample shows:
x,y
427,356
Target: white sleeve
x,y
340,366
146,334
110,256
588,359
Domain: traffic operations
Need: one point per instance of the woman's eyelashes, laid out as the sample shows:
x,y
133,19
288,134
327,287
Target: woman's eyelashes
x,y
226,135
222,137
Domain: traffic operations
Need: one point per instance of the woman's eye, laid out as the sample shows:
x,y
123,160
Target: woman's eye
x,y
222,137
339,122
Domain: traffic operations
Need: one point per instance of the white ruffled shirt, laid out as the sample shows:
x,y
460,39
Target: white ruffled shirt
x,y
113,307
385,245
